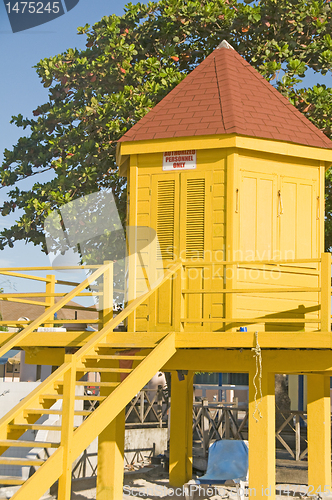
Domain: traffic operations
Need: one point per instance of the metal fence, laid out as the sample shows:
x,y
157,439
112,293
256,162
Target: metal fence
x,y
215,420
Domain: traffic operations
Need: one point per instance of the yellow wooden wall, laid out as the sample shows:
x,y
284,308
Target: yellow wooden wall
x,y
280,216
187,211
275,207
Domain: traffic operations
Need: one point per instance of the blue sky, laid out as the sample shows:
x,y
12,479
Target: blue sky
x,y
22,92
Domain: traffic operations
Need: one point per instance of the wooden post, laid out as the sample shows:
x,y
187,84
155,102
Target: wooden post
x,y
326,293
67,427
262,438
50,288
319,431
232,209
111,450
178,300
107,305
111,440
181,430
111,460
132,257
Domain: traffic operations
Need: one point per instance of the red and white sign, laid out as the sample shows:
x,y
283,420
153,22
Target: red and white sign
x,y
179,160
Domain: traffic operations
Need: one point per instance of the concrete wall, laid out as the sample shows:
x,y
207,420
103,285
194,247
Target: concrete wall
x,y
139,443
29,372
12,393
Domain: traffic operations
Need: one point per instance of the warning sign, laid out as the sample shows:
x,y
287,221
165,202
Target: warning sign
x,y
179,160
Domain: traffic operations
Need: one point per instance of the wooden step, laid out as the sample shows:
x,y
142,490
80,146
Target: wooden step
x,y
137,344
94,384
12,481
90,398
35,427
77,398
114,356
104,370
21,461
50,396
42,411
8,443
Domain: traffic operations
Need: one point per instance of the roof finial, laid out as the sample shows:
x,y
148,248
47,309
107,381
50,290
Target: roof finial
x,y
225,45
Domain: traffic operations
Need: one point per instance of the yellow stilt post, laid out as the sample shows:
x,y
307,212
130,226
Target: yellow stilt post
x,y
326,292
319,432
262,437
111,440
68,408
50,289
181,435
110,460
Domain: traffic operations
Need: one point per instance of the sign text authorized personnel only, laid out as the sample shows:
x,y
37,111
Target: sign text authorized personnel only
x,y
179,160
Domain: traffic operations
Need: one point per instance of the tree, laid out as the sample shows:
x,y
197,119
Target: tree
x,y
130,63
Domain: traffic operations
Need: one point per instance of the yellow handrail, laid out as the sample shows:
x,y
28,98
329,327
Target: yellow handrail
x,y
16,339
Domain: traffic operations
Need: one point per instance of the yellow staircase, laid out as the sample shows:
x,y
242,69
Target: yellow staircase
x,y
97,355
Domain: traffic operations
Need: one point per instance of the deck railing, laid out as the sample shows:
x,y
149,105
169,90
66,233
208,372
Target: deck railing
x,y
319,267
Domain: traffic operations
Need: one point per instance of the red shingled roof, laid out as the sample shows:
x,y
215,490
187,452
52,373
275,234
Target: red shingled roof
x,y
225,95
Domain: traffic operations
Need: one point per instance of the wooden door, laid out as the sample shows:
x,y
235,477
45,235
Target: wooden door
x,y
257,207
196,246
298,208
180,211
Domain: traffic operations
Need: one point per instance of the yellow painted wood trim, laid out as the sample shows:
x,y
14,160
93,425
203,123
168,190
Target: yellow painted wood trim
x,y
24,301
267,340
98,337
181,430
225,141
67,424
49,312
261,420
189,339
325,277
32,399
319,431
242,361
37,485
44,356
121,396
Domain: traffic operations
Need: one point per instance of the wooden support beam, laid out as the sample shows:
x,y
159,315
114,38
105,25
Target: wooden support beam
x,y
67,427
50,289
181,435
262,436
319,432
111,459
111,450
326,292
107,297
240,361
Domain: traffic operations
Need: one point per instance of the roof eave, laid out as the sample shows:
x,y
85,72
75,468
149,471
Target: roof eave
x,y
127,148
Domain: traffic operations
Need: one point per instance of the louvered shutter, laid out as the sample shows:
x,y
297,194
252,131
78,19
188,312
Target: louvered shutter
x,y
165,219
195,211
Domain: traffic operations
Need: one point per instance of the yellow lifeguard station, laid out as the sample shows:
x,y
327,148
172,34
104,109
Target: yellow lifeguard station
x,y
230,177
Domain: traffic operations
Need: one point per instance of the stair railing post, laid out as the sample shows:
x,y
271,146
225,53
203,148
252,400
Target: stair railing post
x,y
107,297
67,427
50,288
177,300
326,292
